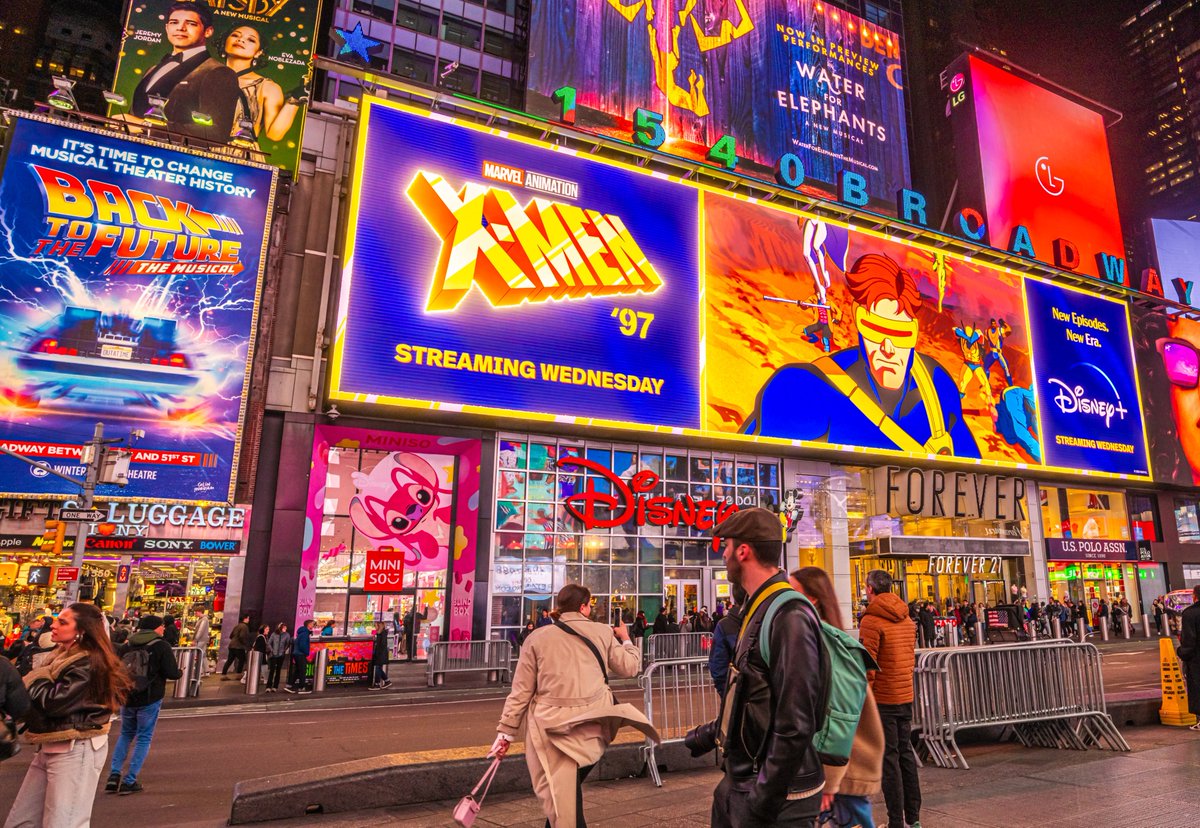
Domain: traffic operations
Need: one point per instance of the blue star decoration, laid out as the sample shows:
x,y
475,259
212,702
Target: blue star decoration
x,y
356,42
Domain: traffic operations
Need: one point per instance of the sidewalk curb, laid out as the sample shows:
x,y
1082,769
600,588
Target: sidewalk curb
x,y
400,779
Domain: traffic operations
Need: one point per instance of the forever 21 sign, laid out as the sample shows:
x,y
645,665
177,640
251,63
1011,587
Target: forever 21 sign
x,y
955,494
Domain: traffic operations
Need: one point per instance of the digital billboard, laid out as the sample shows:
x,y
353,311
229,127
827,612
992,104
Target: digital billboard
x,y
490,274
1087,380
229,60
1029,157
778,77
526,279
1168,360
131,276
823,334
1176,246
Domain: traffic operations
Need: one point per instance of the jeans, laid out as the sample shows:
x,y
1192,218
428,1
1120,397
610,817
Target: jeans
x,y
849,812
137,727
238,655
731,809
378,673
60,786
297,678
274,668
901,786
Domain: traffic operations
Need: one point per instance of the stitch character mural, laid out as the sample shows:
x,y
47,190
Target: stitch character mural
x,y
402,504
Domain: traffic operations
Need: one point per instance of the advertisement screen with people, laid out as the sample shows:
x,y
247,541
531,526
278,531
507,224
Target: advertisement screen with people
x,y
603,294
131,278
224,71
795,77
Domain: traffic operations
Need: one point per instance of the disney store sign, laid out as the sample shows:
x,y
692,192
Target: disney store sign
x,y
629,502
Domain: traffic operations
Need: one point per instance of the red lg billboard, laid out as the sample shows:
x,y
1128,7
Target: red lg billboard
x,y
1036,160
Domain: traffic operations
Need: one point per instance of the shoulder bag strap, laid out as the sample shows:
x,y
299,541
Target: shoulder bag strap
x,y
599,658
488,776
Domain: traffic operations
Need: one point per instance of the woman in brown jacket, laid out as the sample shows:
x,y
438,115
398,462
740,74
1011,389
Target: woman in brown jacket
x,y
849,787
560,693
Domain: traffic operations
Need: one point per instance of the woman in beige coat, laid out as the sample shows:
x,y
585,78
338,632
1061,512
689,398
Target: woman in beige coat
x,y
560,693
849,787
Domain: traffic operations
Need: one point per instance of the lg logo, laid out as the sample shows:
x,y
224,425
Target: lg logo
x,y
1052,184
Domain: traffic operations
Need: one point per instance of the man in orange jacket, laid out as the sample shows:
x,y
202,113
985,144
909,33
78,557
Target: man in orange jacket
x,y
890,636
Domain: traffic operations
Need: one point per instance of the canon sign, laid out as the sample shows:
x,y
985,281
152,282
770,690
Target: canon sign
x,y
955,494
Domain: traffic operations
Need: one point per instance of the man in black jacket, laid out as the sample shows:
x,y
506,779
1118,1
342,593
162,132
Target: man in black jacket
x,y
150,662
1189,651
769,715
190,78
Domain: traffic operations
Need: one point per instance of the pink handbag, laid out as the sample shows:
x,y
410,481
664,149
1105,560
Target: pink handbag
x,y
468,807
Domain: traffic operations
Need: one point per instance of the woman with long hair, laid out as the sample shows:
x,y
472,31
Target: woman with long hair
x,y
560,693
262,100
279,649
74,696
849,787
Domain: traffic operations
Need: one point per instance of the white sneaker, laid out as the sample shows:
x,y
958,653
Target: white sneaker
x,y
1196,727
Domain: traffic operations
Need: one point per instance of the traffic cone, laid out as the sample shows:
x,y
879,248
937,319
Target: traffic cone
x,y
1174,710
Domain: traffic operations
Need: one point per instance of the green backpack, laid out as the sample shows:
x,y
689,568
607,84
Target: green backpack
x,y
845,663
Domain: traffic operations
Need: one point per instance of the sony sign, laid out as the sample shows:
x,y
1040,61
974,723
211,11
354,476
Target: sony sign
x,y
954,494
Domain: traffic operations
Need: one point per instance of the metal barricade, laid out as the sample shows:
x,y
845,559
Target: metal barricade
x,y
1051,693
491,657
190,661
678,646
678,695
254,663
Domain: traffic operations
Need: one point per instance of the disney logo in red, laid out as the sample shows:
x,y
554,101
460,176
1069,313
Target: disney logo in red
x,y
628,502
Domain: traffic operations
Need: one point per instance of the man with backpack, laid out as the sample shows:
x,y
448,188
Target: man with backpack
x,y
774,706
148,659
891,638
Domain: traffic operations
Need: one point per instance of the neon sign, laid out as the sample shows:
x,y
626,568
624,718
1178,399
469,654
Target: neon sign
x,y
545,250
629,503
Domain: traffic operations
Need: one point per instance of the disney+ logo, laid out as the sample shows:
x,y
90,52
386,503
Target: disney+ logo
x,y
1075,400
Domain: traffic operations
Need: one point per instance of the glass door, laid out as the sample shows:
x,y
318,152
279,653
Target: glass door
x,y
681,597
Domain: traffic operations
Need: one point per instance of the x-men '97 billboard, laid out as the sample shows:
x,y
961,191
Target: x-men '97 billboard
x,y
218,63
130,276
534,282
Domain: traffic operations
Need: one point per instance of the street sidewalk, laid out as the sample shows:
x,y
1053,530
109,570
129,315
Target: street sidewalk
x,y
1133,675
1007,785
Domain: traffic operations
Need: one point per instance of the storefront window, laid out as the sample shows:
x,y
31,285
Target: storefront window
x,y
1084,514
638,564
942,559
1143,510
1187,519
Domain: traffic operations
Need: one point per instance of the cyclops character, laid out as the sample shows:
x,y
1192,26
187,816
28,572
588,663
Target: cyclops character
x,y
878,394
996,333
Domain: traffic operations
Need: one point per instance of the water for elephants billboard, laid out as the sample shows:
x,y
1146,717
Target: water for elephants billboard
x,y
798,77
130,277
219,63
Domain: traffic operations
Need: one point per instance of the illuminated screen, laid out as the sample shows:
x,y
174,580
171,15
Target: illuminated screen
x,y
495,275
254,66
131,277
1045,165
484,271
780,77
1177,252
